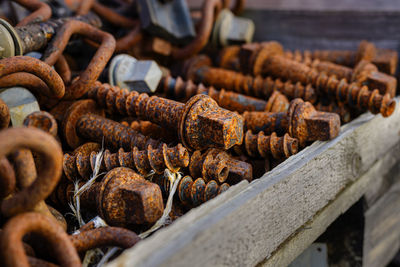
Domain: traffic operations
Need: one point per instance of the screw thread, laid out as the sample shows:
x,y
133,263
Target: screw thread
x,y
255,86
193,193
351,94
159,110
156,159
261,145
341,57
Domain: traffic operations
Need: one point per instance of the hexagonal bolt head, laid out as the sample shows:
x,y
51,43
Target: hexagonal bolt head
x,y
204,124
138,75
21,102
230,29
383,82
127,198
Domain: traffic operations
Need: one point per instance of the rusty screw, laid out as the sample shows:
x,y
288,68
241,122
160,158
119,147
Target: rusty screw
x,y
261,145
150,129
340,109
178,89
301,121
122,198
199,70
17,227
42,120
215,164
270,60
191,193
200,123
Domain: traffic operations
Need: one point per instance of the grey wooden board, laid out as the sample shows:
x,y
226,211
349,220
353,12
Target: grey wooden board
x,y
244,227
311,230
382,228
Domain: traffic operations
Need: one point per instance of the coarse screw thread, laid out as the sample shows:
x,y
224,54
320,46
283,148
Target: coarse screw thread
x,y
193,193
144,161
261,145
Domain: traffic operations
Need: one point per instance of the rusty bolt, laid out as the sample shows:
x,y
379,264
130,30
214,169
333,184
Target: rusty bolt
x,y
218,165
261,145
229,100
150,129
228,58
102,237
270,60
191,193
199,70
144,161
340,109
47,177
200,123
35,37
17,227
124,197
301,121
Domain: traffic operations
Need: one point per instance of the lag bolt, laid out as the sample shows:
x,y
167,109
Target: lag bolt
x,y
122,198
200,123
301,121
198,69
270,60
191,193
183,90
261,145
143,161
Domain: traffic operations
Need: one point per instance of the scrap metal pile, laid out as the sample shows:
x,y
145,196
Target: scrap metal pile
x,y
117,117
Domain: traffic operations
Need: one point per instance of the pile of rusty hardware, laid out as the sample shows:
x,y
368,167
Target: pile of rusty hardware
x,y
119,116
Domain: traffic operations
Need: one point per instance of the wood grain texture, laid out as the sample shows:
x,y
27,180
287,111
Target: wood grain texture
x,y
382,227
311,230
246,227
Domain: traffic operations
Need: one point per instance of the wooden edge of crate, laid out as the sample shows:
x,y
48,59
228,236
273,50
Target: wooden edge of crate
x,y
248,223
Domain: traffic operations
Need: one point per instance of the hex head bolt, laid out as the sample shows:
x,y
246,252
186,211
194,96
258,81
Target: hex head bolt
x,y
364,73
179,89
34,37
104,237
47,177
215,164
16,228
269,60
123,198
261,145
200,123
301,121
199,70
385,59
192,194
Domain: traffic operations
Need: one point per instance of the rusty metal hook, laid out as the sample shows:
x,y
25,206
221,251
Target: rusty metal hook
x,y
41,11
37,67
80,85
17,227
46,146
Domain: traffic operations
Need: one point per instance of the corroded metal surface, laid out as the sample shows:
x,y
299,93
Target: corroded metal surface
x,y
200,123
343,111
104,237
150,129
270,60
7,178
172,158
4,115
261,145
55,49
47,177
40,11
123,197
42,120
177,89
301,121
245,84
17,227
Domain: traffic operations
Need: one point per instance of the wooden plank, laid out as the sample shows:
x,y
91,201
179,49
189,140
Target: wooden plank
x,y
382,227
247,226
310,231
